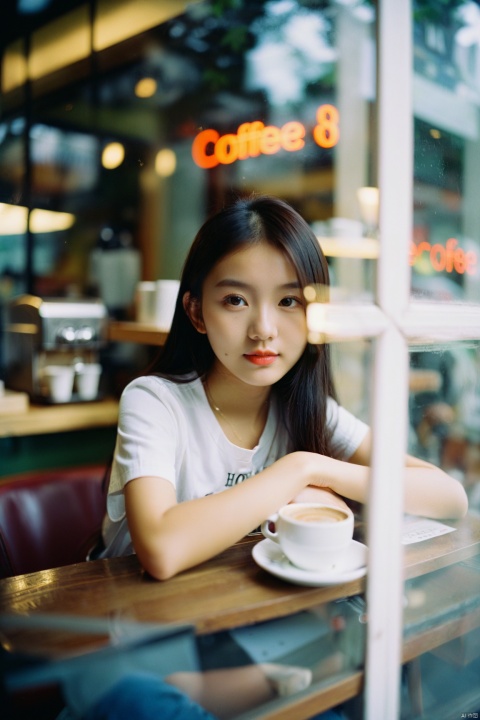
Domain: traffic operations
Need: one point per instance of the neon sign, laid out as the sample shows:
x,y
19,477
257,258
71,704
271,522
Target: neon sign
x,y
446,258
252,139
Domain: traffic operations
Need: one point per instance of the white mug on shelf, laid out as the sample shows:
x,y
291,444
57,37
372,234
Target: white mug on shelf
x,y
146,299
166,298
87,378
58,381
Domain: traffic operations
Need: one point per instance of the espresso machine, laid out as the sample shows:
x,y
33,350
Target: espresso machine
x,y
42,334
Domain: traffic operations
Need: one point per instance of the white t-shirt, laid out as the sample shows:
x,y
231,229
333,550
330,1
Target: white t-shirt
x,y
168,430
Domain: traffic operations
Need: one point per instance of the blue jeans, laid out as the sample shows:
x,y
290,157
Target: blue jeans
x,y
144,696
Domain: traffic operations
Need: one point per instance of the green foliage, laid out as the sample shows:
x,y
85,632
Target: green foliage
x,y
236,38
436,11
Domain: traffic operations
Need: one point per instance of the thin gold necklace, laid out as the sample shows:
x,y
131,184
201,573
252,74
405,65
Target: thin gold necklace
x,y
220,413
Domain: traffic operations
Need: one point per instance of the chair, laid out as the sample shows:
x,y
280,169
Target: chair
x,y
50,518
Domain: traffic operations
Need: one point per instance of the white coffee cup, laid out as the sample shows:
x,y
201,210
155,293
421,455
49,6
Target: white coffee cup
x,y
313,536
146,302
166,298
87,378
58,381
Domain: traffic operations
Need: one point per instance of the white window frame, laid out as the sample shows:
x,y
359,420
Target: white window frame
x,y
393,321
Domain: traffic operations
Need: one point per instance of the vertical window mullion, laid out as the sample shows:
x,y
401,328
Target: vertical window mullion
x,y
390,387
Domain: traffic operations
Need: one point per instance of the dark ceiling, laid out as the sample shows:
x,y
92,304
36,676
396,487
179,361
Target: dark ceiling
x,y
21,17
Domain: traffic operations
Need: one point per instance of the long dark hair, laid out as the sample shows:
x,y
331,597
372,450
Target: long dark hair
x,y
303,391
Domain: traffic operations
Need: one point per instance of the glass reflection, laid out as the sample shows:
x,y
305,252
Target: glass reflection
x,y
442,606
279,660
446,87
445,411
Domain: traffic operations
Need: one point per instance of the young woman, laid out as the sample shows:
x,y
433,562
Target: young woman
x,y
239,416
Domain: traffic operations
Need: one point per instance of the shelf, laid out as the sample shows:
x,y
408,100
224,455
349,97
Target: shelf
x,y
363,248
137,333
42,419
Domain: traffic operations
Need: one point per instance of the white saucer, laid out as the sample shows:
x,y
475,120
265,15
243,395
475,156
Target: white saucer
x,y
269,556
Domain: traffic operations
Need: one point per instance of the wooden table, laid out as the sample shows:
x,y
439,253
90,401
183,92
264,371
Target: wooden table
x,y
231,591
227,591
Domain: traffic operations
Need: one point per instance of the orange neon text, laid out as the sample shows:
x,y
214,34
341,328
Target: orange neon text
x,y
447,258
252,139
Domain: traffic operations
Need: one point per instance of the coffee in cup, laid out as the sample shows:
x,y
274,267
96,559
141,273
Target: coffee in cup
x,y
313,536
321,513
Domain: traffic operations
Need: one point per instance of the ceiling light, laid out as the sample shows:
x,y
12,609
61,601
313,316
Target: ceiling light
x,y
165,162
42,221
113,155
146,87
14,219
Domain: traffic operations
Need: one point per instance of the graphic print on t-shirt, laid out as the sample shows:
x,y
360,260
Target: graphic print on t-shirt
x,y
236,478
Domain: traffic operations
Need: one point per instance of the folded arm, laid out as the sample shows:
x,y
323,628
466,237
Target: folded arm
x,y
169,537
429,491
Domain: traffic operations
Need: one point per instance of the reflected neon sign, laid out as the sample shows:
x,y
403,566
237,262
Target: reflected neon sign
x,y
449,257
252,139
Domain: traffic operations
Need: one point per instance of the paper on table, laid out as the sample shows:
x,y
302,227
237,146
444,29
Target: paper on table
x,y
416,529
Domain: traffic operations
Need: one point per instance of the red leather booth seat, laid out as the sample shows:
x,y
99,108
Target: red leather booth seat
x,y
49,518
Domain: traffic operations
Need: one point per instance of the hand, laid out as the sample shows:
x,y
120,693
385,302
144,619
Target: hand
x,y
320,495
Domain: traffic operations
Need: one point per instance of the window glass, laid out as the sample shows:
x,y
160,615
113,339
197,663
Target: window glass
x,y
352,365
441,606
445,249
64,170
131,151
444,403
219,101
222,100
440,632
13,215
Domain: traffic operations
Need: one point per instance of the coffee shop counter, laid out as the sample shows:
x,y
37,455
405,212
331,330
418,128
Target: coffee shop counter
x,y
42,419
